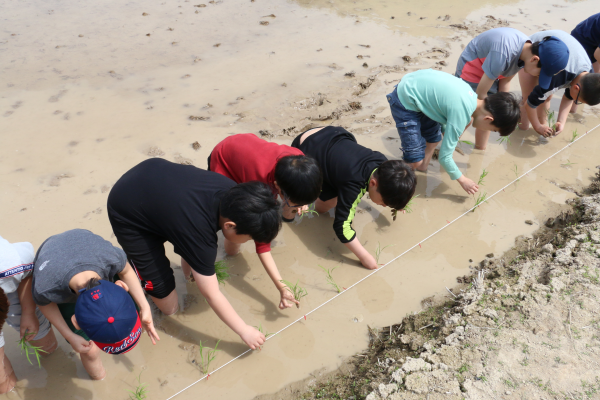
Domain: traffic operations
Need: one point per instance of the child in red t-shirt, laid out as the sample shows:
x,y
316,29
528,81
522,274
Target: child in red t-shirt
x,y
296,178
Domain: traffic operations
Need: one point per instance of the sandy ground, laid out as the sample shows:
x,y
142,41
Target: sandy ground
x,y
524,325
91,89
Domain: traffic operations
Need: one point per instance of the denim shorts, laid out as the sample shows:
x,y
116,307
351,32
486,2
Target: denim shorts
x,y
415,129
14,318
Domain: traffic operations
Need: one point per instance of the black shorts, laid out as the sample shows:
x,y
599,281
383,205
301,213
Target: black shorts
x,y
327,192
146,254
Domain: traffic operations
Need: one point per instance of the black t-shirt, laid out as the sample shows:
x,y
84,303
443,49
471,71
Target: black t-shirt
x,y
347,167
179,203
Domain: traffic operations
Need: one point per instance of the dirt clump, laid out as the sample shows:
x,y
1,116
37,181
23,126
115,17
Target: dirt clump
x,y
523,326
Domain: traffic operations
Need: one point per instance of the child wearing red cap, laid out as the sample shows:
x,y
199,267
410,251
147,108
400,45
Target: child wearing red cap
x,y
67,268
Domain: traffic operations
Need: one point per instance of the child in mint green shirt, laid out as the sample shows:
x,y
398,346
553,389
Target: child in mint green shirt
x,y
427,101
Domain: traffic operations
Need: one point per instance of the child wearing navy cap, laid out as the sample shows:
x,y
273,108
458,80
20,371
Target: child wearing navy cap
x,y
71,282
569,70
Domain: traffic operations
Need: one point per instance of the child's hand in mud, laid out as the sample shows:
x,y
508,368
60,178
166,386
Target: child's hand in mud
x,y
252,337
79,344
559,128
369,262
544,130
287,299
303,209
148,324
468,185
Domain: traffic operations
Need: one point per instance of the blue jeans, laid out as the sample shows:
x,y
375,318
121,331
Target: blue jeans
x,y
415,129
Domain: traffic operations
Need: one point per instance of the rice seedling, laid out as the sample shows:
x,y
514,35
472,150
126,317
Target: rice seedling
x,y
551,119
480,199
516,171
311,210
206,359
482,177
330,280
140,391
574,136
298,291
263,331
379,250
567,164
467,142
30,349
222,271
504,139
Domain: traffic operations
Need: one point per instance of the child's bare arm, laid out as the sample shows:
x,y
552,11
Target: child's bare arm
x,y
135,290
209,287
29,321
52,313
287,298
504,83
563,113
366,259
484,86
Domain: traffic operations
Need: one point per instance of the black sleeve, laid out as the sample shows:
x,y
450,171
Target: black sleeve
x,y
348,198
538,96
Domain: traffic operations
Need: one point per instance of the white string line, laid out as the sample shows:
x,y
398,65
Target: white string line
x,y
388,263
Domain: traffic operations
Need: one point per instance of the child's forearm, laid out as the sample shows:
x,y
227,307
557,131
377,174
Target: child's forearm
x,y
52,314
25,297
484,86
209,287
504,84
563,109
363,255
269,264
135,288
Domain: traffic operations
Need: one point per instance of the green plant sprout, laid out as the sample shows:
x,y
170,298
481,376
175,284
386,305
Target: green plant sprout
x,y
205,360
480,199
297,290
574,136
516,171
140,391
482,177
568,163
551,119
467,142
263,331
378,251
330,280
28,348
311,210
222,271
504,139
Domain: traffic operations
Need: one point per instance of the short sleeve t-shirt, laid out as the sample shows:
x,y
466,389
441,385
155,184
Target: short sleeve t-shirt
x,y
588,34
445,99
578,62
245,157
174,202
16,264
347,167
495,52
63,256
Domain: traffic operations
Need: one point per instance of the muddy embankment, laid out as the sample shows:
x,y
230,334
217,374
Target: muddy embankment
x,y
524,325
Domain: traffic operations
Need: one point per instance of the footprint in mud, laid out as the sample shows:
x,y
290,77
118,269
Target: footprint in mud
x,y
17,105
56,97
55,180
96,211
154,151
8,113
90,191
104,188
73,143
179,159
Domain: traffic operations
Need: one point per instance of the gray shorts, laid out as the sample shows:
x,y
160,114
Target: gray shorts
x,y
14,318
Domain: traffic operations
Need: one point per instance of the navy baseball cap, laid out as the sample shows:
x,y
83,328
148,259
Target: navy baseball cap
x,y
107,315
554,56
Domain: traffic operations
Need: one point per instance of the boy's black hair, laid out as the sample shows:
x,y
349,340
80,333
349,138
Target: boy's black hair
x,y
3,308
505,109
396,182
300,178
535,50
92,283
253,209
590,89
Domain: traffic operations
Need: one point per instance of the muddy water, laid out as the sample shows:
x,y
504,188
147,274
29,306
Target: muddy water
x,y
86,94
